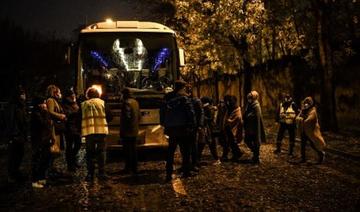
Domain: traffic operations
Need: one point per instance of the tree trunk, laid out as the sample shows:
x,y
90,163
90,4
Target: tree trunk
x,y
327,97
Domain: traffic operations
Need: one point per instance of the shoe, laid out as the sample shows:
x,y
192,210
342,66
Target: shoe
x,y
42,182
218,162
37,185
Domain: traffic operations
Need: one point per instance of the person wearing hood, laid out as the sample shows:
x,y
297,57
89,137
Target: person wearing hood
x,y
17,127
233,126
72,128
285,116
253,125
309,130
178,118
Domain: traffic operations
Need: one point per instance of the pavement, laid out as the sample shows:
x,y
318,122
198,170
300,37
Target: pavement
x,y
345,142
278,183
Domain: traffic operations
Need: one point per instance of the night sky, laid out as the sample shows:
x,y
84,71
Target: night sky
x,y
63,16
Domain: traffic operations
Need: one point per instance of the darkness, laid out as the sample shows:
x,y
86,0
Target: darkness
x,y
61,17
36,34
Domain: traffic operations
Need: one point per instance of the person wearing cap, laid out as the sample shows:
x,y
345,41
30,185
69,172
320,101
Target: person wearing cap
x,y
309,129
178,118
129,130
253,125
94,127
285,116
42,137
16,130
72,128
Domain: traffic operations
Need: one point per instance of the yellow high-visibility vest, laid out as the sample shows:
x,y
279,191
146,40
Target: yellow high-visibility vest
x,y
93,117
287,116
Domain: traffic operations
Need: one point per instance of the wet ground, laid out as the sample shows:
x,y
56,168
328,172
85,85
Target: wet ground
x,y
278,183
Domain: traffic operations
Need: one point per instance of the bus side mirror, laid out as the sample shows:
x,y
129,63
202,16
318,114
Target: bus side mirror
x,y
181,57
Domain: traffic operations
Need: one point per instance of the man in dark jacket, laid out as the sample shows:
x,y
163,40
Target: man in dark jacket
x,y
178,118
253,125
42,137
72,129
285,116
17,127
129,129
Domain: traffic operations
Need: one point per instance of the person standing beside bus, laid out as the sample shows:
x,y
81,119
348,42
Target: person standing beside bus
x,y
178,118
58,116
94,127
73,129
129,130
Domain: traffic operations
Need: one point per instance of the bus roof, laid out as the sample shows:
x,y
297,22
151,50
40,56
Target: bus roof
x,y
127,26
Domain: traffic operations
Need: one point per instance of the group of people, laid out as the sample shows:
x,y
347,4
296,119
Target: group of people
x,y
193,123
301,124
60,122
57,122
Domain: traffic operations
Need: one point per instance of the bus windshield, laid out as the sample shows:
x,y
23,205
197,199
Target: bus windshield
x,y
115,60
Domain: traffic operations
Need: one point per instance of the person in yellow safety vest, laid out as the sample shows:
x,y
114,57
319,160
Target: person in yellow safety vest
x,y
94,127
285,116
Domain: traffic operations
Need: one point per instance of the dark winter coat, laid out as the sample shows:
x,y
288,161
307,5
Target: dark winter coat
x,y
17,121
253,122
42,133
73,115
129,118
178,115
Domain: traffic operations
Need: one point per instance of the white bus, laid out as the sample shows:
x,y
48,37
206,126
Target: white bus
x,y
142,56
